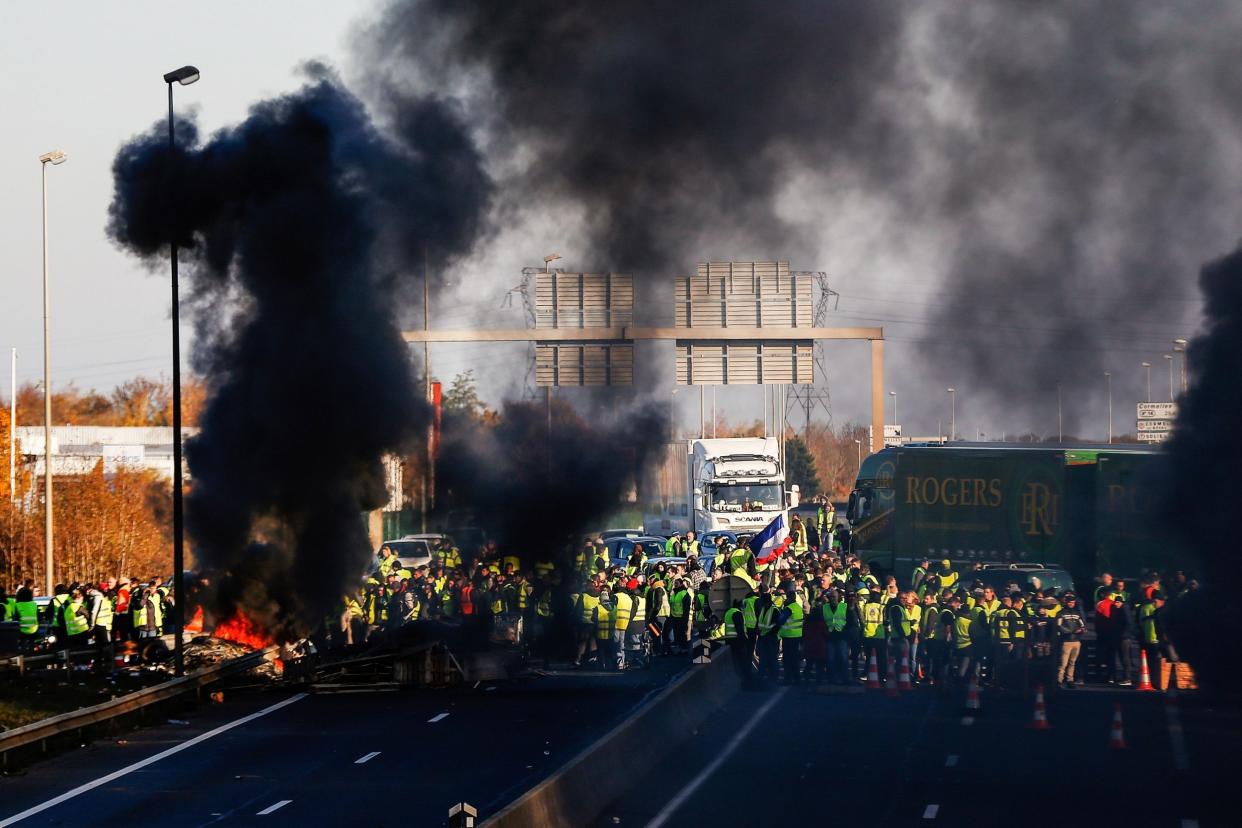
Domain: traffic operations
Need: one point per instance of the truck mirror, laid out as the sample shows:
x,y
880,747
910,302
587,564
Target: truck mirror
x,y
795,497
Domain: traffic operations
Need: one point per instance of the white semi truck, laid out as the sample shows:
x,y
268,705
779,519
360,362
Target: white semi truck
x,y
735,484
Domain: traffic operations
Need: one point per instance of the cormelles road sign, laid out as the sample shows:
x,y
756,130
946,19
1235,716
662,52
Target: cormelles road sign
x,y
1157,410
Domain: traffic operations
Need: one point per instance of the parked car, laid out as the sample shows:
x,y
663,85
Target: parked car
x,y
412,551
669,561
609,534
620,549
1052,580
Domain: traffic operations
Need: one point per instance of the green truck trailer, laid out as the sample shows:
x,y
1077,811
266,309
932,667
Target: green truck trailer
x,y
1085,509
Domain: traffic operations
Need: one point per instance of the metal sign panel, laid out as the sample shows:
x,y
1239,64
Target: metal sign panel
x,y
572,364
1155,425
584,300
1157,411
1152,436
744,295
745,362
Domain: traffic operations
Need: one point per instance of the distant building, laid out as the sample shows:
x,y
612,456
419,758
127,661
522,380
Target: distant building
x,y
76,449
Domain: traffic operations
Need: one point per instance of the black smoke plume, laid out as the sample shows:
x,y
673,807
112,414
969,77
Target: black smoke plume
x,y
538,491
1204,455
1039,172
300,230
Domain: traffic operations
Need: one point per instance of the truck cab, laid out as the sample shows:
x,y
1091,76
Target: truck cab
x,y
737,484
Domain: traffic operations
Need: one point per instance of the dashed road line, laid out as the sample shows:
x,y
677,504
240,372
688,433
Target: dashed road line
x,y
1190,823
437,718
950,761
967,721
272,808
150,760
362,760
930,811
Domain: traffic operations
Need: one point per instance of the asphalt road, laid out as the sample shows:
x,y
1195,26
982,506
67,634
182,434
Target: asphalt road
x,y
392,759
799,757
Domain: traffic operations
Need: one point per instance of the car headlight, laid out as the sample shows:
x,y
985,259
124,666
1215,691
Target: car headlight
x,y
51,639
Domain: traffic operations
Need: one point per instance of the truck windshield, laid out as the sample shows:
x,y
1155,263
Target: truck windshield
x,y
743,498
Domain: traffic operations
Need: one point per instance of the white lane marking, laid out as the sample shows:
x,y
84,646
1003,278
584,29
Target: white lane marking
x,y
1177,736
282,803
967,721
150,760
1190,823
930,811
714,765
437,718
362,760
950,761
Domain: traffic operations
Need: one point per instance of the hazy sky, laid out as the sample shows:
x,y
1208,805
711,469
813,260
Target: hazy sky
x,y
86,76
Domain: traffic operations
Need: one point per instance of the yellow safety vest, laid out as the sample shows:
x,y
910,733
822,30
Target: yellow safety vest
x,y
873,620
793,627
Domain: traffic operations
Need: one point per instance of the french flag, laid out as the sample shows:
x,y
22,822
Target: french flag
x,y
771,542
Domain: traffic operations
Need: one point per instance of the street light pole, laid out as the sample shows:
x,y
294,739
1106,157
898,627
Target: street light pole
x,y
1169,357
893,394
1180,345
1060,422
1108,380
185,76
12,425
859,444
952,413
1147,366
53,157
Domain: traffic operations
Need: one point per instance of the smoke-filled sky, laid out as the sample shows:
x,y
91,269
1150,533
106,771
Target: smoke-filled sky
x,y
1021,194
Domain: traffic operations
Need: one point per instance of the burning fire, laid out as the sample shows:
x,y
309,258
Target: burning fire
x,y
242,630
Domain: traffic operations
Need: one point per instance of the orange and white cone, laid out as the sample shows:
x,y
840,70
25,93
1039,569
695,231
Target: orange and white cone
x,y
903,682
1040,720
973,706
890,678
873,674
1144,672
1117,738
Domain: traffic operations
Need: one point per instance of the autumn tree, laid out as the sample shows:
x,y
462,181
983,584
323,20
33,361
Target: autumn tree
x,y
800,467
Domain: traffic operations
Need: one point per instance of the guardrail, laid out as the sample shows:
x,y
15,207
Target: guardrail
x,y
46,729
21,661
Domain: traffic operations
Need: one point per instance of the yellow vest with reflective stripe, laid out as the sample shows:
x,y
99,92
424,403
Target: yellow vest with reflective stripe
x,y
835,619
75,623
873,620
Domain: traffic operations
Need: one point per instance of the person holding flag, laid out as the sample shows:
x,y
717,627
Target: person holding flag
x,y
768,545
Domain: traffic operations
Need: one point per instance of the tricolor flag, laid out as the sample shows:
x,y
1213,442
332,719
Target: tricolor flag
x,y
771,542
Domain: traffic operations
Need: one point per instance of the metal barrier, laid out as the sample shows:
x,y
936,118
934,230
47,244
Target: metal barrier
x,y
79,719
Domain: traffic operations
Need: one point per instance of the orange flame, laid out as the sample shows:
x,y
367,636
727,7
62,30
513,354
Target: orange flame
x,y
241,630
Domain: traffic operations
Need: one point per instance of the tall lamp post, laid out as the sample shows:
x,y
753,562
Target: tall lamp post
x,y
1179,345
1147,367
952,413
185,76
53,157
859,444
1169,357
893,394
1108,381
1060,422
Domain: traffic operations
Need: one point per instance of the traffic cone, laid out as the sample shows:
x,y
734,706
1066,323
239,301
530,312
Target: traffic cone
x,y
1117,739
1040,720
903,682
973,706
1144,673
873,674
890,678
